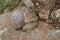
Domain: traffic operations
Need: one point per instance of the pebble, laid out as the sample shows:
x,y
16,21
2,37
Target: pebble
x,y
45,4
28,3
56,14
45,26
30,25
29,15
53,35
12,19
44,14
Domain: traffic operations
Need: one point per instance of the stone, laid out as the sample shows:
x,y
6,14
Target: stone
x,y
28,3
12,19
44,14
30,25
57,13
29,15
12,34
53,35
45,4
43,31
43,26
57,4
55,18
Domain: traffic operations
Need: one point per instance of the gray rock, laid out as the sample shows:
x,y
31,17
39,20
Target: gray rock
x,y
12,19
44,14
30,25
29,15
46,4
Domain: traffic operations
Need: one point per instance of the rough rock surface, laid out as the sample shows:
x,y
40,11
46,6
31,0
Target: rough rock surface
x,y
42,32
44,14
30,20
12,19
29,15
46,4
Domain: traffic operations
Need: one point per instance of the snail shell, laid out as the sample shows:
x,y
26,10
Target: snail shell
x,y
18,18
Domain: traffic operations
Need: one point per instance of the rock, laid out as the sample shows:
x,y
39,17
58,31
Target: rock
x,y
44,14
55,18
43,26
30,25
5,21
12,34
40,32
33,19
43,31
34,35
57,13
53,35
58,4
12,19
29,15
28,3
46,4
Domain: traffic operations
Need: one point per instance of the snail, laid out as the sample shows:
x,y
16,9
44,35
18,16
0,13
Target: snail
x,y
18,18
